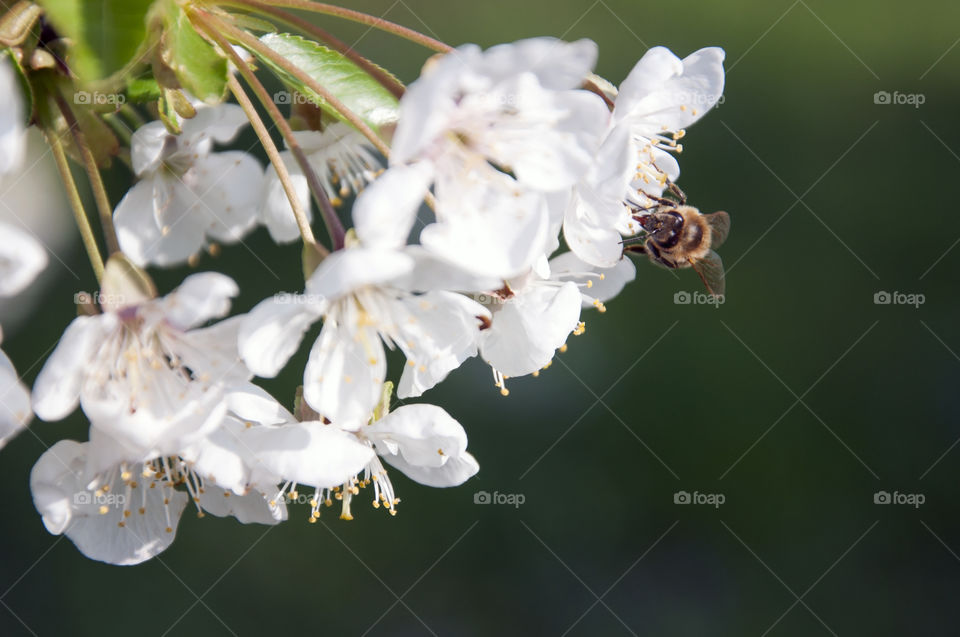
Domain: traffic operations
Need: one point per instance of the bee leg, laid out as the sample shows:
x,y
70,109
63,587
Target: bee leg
x,y
650,248
679,194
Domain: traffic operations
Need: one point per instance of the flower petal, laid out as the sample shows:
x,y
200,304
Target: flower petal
x,y
15,411
252,508
438,331
568,267
56,391
199,298
385,211
104,525
425,443
272,332
310,453
146,147
276,213
345,271
663,92
527,330
22,258
228,186
344,374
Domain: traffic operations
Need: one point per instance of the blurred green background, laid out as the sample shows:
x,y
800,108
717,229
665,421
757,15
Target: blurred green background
x,y
797,400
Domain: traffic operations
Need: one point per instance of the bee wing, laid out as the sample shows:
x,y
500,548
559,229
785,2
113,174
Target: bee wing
x,y
710,271
719,228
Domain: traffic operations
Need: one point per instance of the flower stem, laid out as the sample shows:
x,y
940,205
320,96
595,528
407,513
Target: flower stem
x,y
306,232
93,174
348,14
79,214
334,227
330,219
387,80
218,26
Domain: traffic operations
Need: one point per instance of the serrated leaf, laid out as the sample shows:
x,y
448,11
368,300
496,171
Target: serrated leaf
x,y
349,83
106,35
199,68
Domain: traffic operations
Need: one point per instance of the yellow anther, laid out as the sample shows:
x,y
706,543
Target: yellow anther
x,y
536,373
504,391
104,509
563,348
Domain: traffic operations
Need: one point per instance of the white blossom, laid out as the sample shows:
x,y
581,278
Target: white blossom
x,y
144,370
364,295
188,195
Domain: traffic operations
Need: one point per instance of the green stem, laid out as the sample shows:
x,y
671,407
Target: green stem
x,y
93,174
249,42
79,214
347,14
306,232
330,218
387,80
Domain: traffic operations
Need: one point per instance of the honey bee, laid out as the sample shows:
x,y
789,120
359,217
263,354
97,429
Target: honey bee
x,y
680,236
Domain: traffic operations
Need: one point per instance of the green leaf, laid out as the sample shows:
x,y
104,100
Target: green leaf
x,y
199,68
107,35
143,89
349,83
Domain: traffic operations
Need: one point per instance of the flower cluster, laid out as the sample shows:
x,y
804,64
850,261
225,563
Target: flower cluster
x,y
452,250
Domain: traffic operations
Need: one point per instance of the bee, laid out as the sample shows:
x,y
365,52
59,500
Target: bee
x,y
680,236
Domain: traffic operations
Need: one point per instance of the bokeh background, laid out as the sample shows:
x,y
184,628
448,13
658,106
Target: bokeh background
x,y
796,401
